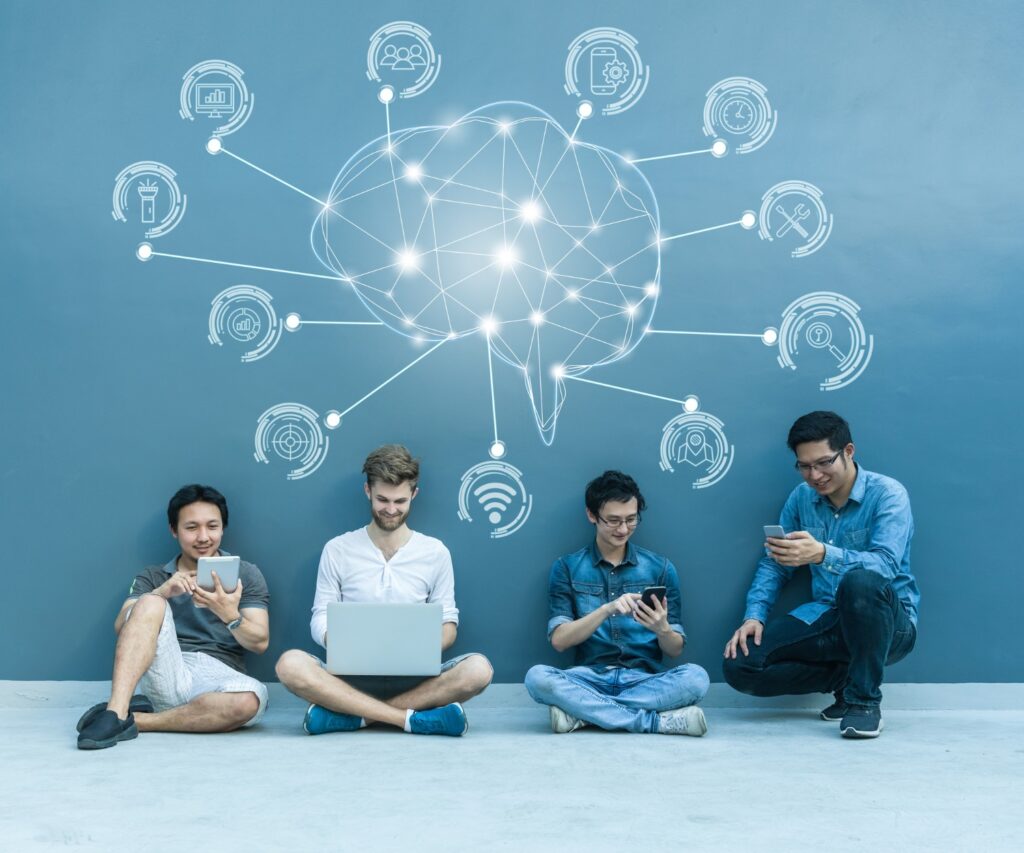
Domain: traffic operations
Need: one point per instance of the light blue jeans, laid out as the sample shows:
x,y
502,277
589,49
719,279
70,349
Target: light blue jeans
x,y
618,698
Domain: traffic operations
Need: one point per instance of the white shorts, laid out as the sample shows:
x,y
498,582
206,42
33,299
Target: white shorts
x,y
175,678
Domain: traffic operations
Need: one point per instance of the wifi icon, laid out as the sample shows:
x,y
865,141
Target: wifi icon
x,y
495,498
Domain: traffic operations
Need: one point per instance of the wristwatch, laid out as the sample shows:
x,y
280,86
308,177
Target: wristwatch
x,y
234,623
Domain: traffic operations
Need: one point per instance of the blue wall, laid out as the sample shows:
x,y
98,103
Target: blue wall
x,y
906,115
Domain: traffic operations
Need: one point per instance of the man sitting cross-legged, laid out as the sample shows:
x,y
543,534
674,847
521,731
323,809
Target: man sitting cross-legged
x,y
385,561
184,644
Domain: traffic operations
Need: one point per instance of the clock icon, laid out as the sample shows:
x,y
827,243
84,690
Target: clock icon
x,y
738,114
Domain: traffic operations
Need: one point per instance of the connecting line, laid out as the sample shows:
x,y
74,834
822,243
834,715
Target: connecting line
x,y
669,156
711,334
319,201
387,119
156,254
340,323
700,231
572,135
386,381
627,390
494,407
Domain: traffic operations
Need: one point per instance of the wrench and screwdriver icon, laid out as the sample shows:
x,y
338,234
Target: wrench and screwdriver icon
x,y
792,223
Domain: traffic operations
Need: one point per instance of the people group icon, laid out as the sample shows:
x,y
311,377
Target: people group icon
x,y
401,58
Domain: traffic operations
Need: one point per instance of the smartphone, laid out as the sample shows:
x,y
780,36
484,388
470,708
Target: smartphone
x,y
599,58
651,593
226,569
774,531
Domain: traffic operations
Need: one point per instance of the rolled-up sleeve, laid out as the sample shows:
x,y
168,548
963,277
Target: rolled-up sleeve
x,y
328,590
561,607
670,580
443,588
770,577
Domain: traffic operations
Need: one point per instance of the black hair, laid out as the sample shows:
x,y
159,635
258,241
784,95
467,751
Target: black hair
x,y
613,486
194,493
819,426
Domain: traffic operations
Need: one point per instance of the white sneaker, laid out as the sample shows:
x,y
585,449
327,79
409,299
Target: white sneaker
x,y
683,721
562,722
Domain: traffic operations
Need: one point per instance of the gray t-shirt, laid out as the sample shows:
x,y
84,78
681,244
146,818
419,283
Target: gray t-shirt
x,y
198,628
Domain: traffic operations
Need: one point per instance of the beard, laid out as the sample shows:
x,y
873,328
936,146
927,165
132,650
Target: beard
x,y
389,524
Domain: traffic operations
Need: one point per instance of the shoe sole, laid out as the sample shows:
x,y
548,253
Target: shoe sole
x,y
130,733
852,733
829,719
134,707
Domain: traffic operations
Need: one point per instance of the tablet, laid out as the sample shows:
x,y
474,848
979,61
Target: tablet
x,y
226,569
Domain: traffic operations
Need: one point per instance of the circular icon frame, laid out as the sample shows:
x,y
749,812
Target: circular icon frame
x,y
607,71
245,301
723,112
806,319
193,79
495,498
720,458
291,432
156,171
420,35
772,204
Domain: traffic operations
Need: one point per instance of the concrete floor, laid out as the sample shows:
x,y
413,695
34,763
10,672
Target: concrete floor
x,y
761,779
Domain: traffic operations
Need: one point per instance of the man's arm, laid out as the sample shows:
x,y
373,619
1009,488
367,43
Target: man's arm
x,y
449,630
328,590
253,634
770,575
565,628
177,584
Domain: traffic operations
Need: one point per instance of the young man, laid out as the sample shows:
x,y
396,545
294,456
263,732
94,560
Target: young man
x,y
185,643
386,561
853,529
596,608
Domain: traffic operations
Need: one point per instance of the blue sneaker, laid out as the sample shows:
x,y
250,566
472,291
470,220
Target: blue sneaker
x,y
320,721
447,720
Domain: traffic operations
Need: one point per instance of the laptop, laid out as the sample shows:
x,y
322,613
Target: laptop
x,y
383,639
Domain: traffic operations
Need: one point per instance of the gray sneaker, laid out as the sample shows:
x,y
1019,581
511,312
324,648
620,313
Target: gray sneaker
x,y
683,721
861,722
562,722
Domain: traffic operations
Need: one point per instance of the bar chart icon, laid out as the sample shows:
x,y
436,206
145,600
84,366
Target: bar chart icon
x,y
214,99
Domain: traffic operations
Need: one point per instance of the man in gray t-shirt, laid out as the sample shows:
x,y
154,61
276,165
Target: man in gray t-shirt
x,y
182,643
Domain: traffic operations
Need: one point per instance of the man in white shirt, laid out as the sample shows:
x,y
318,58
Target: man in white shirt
x,y
386,561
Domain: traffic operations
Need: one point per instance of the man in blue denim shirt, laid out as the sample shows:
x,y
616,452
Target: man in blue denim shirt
x,y
853,529
596,607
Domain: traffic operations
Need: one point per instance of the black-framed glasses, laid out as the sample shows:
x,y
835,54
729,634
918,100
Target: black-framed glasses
x,y
614,523
821,466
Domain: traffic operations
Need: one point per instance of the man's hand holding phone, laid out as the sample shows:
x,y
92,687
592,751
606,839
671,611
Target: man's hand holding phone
x,y
624,605
795,549
223,604
653,616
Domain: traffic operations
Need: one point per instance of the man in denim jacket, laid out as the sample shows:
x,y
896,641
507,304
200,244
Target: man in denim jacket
x,y
853,529
596,608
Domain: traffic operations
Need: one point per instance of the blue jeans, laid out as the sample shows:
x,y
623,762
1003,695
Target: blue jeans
x,y
844,651
617,698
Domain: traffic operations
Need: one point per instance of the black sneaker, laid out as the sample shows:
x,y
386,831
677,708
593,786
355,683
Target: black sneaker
x,y
106,729
860,721
139,704
836,711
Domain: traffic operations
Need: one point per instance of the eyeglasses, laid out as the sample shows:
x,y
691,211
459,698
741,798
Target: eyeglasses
x,y
821,466
614,523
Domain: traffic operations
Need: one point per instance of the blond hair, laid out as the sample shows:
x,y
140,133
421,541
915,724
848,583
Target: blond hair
x,y
392,464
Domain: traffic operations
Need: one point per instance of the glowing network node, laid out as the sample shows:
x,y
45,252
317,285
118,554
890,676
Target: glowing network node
x,y
408,260
488,325
770,336
530,211
292,322
332,420
691,403
214,145
651,289
144,252
497,449
413,172
386,94
584,109
748,220
719,148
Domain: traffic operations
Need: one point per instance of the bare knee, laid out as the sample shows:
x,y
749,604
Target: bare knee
x,y
149,606
294,668
242,708
475,673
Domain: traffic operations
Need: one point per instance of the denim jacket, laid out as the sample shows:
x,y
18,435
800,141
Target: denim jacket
x,y
872,531
583,581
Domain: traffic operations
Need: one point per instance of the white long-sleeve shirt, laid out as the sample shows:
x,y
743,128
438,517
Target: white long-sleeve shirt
x,y
353,569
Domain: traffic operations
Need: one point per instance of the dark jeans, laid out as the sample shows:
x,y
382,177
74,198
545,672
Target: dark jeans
x,y
845,649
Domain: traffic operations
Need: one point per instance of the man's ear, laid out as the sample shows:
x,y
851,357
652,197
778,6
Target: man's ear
x,y
849,450
174,532
415,492
591,516
366,488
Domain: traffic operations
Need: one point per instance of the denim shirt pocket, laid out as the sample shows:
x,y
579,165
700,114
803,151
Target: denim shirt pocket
x,y
588,597
856,540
